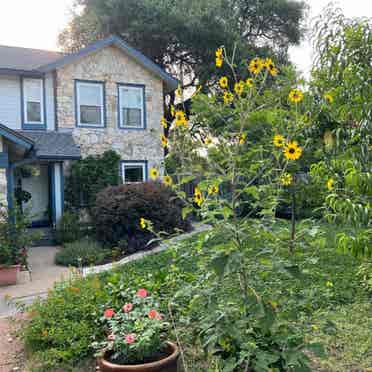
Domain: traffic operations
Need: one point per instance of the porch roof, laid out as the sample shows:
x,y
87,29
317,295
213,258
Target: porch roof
x,y
53,145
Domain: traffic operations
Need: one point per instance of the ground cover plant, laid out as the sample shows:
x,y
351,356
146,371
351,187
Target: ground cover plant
x,y
331,306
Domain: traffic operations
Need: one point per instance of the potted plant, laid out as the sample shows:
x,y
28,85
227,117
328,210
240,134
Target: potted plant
x,y
135,337
14,239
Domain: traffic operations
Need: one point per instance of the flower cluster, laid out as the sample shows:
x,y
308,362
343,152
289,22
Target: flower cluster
x,y
133,331
291,149
219,57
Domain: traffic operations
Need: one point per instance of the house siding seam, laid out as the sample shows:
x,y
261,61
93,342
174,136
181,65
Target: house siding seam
x,y
113,67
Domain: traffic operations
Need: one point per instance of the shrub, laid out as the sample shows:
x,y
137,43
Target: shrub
x,y
118,211
68,229
83,252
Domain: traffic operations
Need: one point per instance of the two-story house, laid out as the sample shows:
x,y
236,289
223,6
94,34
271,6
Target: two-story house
x,y
55,108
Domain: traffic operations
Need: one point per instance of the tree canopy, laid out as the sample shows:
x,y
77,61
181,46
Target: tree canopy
x,y
181,36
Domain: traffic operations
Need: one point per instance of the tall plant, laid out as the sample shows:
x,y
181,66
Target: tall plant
x,y
249,136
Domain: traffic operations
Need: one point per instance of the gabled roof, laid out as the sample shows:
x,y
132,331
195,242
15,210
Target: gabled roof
x,y
140,58
15,58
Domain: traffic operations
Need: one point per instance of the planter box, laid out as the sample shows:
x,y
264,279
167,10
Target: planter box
x,y
8,274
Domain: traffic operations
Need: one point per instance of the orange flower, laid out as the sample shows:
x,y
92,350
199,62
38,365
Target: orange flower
x,y
153,314
109,313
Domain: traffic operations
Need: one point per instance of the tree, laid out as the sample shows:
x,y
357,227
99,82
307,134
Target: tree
x,y
182,36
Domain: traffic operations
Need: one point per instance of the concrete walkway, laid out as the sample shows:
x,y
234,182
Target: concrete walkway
x,y
44,274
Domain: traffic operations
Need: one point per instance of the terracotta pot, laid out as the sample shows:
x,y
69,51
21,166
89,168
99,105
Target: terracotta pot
x,y
168,364
8,274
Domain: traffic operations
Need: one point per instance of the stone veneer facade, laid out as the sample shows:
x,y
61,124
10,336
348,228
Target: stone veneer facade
x,y
112,66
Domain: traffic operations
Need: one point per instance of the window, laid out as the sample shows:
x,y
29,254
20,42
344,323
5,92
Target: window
x,y
33,101
133,172
90,104
131,107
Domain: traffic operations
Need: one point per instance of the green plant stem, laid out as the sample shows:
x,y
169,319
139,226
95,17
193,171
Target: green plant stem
x,y
293,224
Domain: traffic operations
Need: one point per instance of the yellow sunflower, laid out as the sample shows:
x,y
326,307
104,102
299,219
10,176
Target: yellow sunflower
x,y
330,184
143,223
179,91
256,66
239,88
219,62
278,140
198,197
164,140
219,53
228,97
224,82
167,180
292,151
286,179
213,190
208,141
154,173
329,98
242,138
296,96
180,118
164,123
269,64
249,82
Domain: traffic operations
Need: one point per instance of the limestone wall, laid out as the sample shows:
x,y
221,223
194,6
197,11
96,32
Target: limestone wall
x,y
112,66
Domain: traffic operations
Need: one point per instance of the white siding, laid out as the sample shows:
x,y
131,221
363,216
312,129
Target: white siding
x,y
10,101
49,104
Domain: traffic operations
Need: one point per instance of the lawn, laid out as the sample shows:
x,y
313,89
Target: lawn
x,y
325,295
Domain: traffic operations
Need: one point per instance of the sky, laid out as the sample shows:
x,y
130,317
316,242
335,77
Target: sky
x,y
37,23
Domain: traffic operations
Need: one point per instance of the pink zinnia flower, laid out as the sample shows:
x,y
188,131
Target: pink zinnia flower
x,y
111,337
109,313
142,293
127,308
129,339
153,314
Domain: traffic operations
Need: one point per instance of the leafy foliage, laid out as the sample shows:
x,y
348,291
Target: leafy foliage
x,y
118,211
68,229
90,176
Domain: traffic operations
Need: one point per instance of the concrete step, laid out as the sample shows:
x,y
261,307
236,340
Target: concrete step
x,y
46,236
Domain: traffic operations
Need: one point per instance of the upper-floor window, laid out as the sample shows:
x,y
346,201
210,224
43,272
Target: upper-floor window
x,y
90,102
33,101
132,106
134,171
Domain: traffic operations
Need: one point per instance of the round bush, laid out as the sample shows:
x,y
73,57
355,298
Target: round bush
x,y
118,211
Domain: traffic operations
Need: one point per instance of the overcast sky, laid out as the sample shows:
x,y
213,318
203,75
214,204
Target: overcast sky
x,y
36,23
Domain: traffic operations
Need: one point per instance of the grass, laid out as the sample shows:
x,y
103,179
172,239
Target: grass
x,y
331,307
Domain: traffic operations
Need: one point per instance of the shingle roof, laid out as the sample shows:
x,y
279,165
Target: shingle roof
x,y
53,145
26,59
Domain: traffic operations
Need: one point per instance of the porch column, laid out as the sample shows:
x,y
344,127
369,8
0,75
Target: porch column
x,y
57,191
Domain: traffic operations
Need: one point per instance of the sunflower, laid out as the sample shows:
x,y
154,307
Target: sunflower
x,y
269,64
224,82
249,82
164,141
256,65
292,151
164,123
154,173
286,179
198,197
219,53
143,223
296,96
167,180
329,98
207,141
219,62
213,190
180,118
228,97
239,88
330,184
242,138
278,140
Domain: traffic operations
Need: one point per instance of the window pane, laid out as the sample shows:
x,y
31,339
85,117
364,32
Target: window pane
x,y
33,112
90,115
131,97
132,118
32,89
90,95
133,173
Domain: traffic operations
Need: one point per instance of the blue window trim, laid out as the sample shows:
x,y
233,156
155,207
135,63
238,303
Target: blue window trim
x,y
30,126
119,85
103,84
142,162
